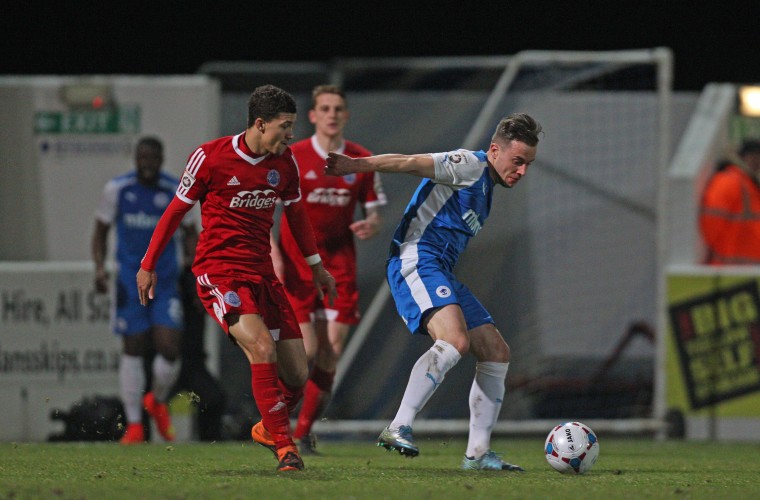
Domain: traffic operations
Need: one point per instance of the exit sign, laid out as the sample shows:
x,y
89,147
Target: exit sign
x,y
119,120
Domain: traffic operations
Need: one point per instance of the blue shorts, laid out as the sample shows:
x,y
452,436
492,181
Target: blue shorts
x,y
422,286
131,318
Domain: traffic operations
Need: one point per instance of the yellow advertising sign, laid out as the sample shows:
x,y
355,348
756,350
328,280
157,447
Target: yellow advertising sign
x,y
713,344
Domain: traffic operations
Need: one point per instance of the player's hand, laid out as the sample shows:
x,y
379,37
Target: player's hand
x,y
339,164
364,229
323,280
146,285
101,281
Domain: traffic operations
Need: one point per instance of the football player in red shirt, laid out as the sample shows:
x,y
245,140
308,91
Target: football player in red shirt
x,y
331,204
238,180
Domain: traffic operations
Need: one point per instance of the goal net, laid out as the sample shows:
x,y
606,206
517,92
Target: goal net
x,y
567,262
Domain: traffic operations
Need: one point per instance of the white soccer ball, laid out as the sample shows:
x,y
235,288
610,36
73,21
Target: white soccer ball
x,y
572,448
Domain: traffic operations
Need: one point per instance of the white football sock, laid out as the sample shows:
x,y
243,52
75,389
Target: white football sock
x,y
131,385
486,396
165,375
426,376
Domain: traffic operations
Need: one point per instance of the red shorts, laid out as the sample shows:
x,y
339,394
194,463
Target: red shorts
x,y
251,295
305,301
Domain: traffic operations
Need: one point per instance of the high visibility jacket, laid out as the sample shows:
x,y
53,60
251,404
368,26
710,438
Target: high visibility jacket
x,y
729,217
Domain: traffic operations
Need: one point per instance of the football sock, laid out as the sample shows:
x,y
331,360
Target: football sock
x,y
427,374
165,375
291,395
270,402
131,385
486,396
316,397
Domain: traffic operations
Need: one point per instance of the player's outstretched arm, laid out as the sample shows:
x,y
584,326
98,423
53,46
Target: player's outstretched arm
x,y
421,165
167,225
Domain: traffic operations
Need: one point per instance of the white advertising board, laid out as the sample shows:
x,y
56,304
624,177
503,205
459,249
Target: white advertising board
x,y
56,345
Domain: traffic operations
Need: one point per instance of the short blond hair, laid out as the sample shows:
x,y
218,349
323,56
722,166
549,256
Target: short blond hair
x,y
326,89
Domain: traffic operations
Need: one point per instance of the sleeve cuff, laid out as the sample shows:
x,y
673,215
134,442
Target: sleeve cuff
x,y
313,259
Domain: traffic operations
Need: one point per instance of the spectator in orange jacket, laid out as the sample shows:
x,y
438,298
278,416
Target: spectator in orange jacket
x,y
729,217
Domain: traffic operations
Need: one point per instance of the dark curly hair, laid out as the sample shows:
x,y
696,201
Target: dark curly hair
x,y
268,101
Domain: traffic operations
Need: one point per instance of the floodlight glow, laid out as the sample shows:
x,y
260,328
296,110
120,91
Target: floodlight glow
x,y
749,100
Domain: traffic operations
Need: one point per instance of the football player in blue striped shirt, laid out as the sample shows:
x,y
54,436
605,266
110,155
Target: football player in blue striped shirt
x,y
449,207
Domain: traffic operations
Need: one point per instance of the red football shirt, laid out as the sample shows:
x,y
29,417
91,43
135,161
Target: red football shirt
x,y
331,203
238,193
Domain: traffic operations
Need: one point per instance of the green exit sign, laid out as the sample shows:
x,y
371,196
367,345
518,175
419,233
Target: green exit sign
x,y
743,127
120,120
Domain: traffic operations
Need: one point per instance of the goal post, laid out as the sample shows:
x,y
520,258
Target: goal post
x,y
569,263
575,70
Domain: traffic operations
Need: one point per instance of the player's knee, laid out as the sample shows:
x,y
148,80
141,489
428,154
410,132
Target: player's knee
x,y
171,355
501,353
311,353
301,376
294,376
135,345
330,353
459,342
258,350
167,346
264,351
489,345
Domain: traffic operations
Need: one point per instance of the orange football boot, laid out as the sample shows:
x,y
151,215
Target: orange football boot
x,y
133,435
160,414
262,437
289,459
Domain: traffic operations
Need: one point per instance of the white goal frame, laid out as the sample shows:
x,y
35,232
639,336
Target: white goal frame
x,y
660,58
663,60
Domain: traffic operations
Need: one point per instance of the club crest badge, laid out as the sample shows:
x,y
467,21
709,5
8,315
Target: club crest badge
x,y
187,180
273,178
232,299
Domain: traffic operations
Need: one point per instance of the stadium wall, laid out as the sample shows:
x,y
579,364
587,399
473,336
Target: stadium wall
x,y
529,312
64,137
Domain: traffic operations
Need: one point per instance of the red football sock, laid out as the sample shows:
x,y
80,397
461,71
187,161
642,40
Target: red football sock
x,y
270,402
316,397
291,395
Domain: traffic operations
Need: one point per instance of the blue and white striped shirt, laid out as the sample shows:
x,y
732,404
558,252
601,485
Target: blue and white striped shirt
x,y
447,211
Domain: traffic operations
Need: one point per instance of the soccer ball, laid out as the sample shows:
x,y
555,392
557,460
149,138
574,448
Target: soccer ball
x,y
571,448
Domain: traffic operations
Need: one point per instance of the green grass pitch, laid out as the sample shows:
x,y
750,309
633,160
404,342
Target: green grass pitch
x,y
627,468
